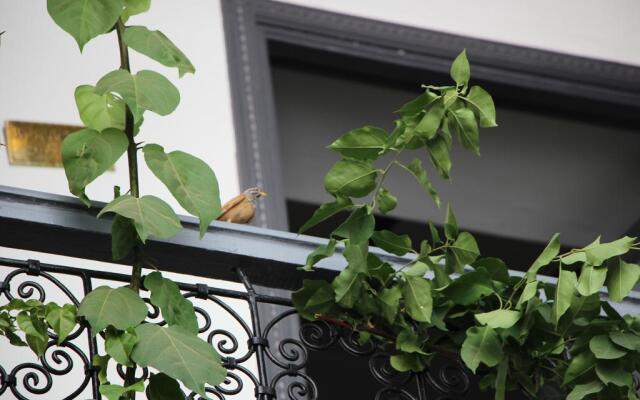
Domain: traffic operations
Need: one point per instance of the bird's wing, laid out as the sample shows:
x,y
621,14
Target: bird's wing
x,y
230,204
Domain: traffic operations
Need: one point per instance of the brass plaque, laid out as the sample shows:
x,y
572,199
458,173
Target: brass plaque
x,y
31,143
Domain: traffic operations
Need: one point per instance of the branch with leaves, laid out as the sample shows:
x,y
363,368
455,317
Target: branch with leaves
x,y
113,112
516,333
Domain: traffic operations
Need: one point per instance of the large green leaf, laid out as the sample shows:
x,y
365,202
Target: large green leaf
x,y
134,7
35,331
351,178
365,143
597,253
183,356
483,106
417,298
580,392
495,267
469,287
591,280
150,215
391,242
156,45
389,302
386,201
460,71
164,387
482,345
529,291
439,156
190,180
627,340
548,254
565,288
315,296
358,227
348,286
85,19
326,211
466,124
416,169
121,308
428,125
321,252
613,372
579,366
146,90
604,349
622,277
176,310
61,319
87,154
97,111
463,251
119,345
498,318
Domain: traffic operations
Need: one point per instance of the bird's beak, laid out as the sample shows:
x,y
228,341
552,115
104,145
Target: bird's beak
x,y
263,194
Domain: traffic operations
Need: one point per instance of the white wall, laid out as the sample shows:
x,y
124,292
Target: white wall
x,y
40,66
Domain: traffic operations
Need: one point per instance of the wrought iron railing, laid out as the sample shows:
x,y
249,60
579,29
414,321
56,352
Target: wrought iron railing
x,y
265,368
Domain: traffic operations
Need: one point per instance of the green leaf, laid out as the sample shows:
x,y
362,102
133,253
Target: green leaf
x,y
503,319
134,7
184,356
61,319
468,128
409,362
408,342
164,387
87,154
439,156
591,280
469,287
597,253
166,295
579,392
320,253
435,236
150,215
417,269
35,330
358,227
627,340
604,349
123,237
348,286
529,291
325,211
386,201
119,345
97,111
389,241
84,19
418,104
483,106
622,277
121,308
417,298
314,297
366,143
495,267
155,45
449,98
613,372
464,250
115,392
482,345
389,302
351,178
416,169
579,366
102,363
146,90
548,254
450,225
189,179
460,71
428,125
565,288
501,379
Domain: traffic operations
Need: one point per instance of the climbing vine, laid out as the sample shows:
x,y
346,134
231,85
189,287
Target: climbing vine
x,y
113,111
547,340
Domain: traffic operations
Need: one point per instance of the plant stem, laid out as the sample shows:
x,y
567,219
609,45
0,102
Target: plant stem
x,y
132,156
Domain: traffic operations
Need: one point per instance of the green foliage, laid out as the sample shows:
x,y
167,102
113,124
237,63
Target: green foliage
x,y
176,310
546,340
121,308
99,112
190,180
156,45
115,392
134,7
179,354
164,387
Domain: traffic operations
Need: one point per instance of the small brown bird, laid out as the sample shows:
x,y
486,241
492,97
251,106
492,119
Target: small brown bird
x,y
242,208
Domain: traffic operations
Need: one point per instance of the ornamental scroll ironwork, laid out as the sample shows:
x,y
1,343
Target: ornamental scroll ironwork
x,y
260,364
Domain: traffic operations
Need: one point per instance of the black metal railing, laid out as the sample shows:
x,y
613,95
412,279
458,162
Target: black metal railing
x,y
260,364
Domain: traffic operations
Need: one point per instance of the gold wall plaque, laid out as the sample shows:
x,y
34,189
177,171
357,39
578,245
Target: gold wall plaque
x,y
31,143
